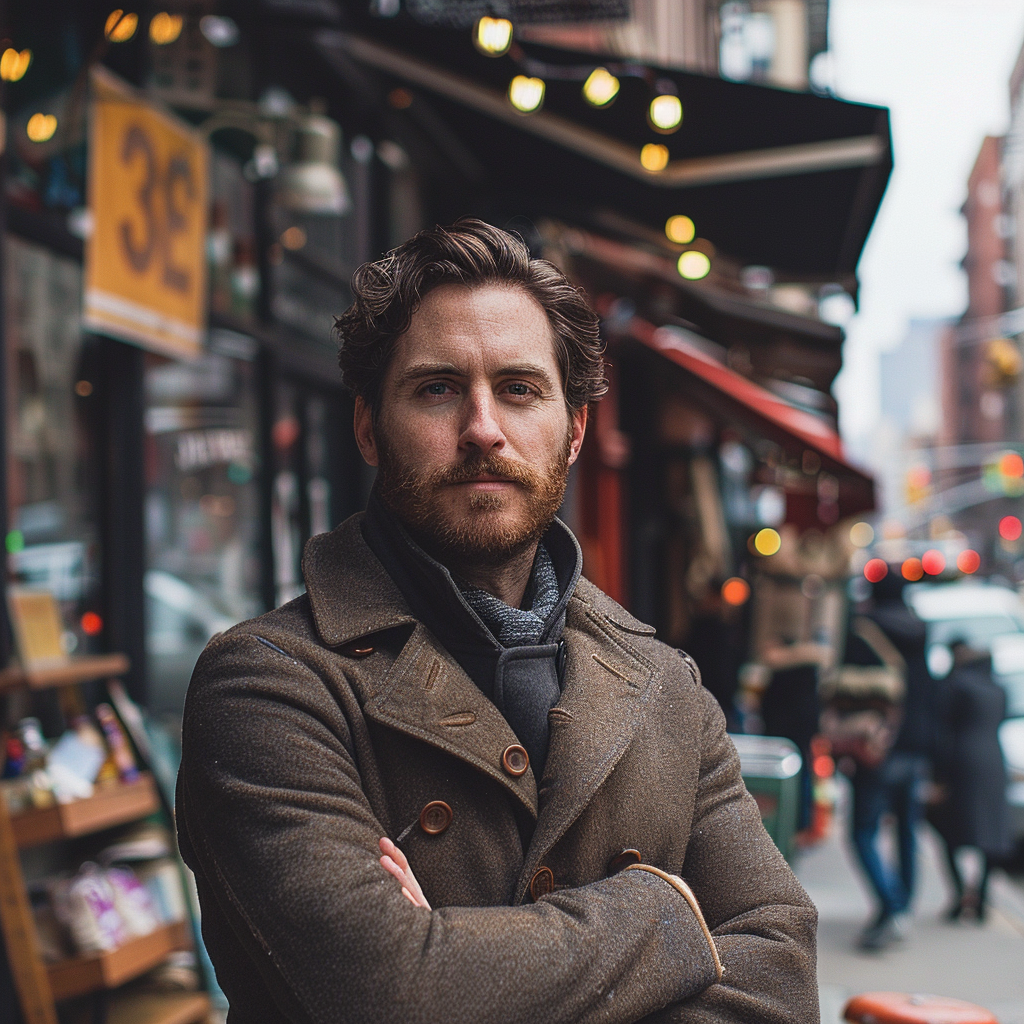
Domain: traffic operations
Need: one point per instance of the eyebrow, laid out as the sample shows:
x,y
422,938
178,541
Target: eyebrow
x,y
421,370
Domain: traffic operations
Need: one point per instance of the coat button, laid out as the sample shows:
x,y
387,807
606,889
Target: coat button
x,y
435,817
542,883
623,860
515,760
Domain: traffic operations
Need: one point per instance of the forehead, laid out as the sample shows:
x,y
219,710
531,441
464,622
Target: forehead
x,y
478,324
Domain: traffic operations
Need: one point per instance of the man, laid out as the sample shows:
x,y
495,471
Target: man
x,y
454,781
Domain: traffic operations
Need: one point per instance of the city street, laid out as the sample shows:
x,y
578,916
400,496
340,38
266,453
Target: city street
x,y
981,964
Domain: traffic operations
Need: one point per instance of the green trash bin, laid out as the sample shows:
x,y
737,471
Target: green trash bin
x,y
771,770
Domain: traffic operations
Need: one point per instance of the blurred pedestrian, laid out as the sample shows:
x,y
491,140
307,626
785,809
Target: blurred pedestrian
x,y
715,642
891,766
972,809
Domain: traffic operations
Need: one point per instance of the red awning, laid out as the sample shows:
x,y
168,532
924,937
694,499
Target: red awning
x,y
750,401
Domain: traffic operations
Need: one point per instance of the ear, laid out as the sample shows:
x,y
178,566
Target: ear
x,y
579,428
362,423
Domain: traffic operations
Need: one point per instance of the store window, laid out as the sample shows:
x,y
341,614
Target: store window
x,y
202,508
52,536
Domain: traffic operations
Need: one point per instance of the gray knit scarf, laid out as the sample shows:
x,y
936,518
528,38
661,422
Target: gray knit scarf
x,y
516,627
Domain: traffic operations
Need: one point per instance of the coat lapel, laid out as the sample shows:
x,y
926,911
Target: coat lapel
x,y
607,688
426,694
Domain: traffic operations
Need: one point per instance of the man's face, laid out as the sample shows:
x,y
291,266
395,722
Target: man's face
x,y
473,439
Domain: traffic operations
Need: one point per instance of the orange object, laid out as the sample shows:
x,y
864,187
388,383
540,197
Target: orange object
x,y
904,1008
912,569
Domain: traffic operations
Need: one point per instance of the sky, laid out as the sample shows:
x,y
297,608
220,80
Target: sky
x,y
942,67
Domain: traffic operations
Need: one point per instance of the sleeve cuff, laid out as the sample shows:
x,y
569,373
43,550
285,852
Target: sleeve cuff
x,y
687,893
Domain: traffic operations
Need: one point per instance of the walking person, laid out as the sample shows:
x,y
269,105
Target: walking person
x,y
972,810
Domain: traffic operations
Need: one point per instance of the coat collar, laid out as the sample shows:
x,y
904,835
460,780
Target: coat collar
x,y
428,695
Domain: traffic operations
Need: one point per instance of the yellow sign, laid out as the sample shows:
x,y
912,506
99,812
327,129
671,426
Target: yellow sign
x,y
145,256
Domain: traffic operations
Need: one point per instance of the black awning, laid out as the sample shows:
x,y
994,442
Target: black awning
x,y
786,179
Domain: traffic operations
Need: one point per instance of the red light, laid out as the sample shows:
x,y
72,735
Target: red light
x,y
933,562
912,569
968,561
875,570
1012,465
824,767
735,591
1009,528
92,624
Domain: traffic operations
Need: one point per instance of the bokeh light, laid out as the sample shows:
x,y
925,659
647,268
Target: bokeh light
x,y
875,570
1010,528
92,624
165,28
600,88
1011,465
968,561
861,535
665,113
14,64
912,569
735,591
654,157
933,562
40,127
526,94
693,265
120,27
493,36
680,229
767,541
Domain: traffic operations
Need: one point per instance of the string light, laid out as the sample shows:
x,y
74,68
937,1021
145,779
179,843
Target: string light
x,y
600,88
493,36
14,64
665,113
120,27
654,157
165,28
680,229
526,94
693,265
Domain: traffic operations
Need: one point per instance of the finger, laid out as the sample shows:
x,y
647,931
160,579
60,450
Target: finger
x,y
393,869
388,847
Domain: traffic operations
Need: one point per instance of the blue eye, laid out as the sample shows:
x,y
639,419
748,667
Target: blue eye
x,y
436,388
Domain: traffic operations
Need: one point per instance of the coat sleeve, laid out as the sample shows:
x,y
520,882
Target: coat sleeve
x,y
762,921
274,821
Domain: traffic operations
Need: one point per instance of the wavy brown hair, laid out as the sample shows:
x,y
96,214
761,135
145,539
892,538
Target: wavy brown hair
x,y
389,291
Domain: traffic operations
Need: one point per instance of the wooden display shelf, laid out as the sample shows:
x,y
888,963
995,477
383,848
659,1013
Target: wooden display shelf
x,y
74,670
113,804
96,971
151,1008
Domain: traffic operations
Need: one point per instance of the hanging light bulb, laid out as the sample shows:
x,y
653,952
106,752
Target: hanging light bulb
x,y
313,183
493,36
665,113
600,88
526,94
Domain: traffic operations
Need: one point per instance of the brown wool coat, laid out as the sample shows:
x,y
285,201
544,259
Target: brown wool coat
x,y
314,730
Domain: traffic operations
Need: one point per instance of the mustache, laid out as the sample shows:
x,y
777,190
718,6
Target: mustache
x,y
488,465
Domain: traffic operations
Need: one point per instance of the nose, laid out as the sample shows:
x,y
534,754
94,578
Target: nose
x,y
481,428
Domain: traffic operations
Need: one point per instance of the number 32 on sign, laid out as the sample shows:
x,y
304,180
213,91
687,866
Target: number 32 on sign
x,y
145,258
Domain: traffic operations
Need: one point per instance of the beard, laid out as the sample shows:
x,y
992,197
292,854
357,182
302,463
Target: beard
x,y
496,527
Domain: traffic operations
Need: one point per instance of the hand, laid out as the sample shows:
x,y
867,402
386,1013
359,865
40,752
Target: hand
x,y
394,862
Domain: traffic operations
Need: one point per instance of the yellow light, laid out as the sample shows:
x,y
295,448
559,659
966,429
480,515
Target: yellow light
x,y
600,88
680,229
526,94
693,265
665,113
120,27
40,127
493,36
165,28
767,541
654,157
861,535
293,238
13,64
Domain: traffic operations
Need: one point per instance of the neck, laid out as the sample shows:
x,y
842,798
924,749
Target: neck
x,y
507,581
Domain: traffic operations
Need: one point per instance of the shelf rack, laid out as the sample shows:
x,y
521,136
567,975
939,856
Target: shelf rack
x,y
40,985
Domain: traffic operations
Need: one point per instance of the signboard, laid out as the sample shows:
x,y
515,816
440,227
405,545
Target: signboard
x,y
145,277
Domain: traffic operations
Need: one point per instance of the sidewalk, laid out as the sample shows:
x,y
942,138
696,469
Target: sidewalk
x,y
983,964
